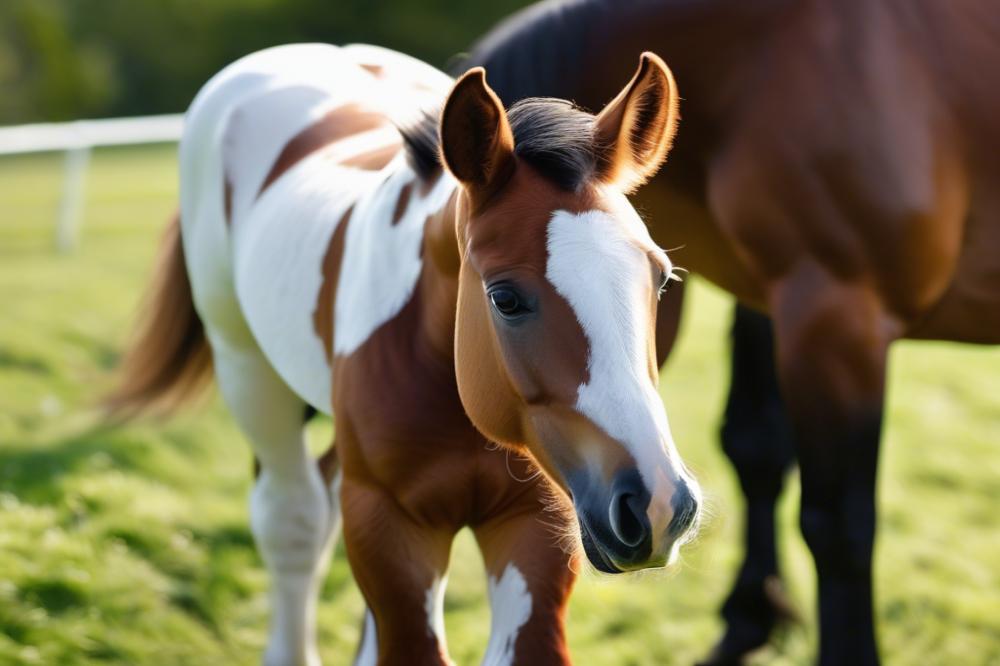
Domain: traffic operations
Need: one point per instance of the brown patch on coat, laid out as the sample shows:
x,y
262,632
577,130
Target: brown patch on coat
x,y
375,159
329,464
401,203
325,301
340,123
439,295
227,200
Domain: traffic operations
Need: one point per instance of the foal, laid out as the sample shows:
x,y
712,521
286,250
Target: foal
x,y
510,298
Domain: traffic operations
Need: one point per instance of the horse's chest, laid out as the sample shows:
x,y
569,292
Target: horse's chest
x,y
402,428
447,482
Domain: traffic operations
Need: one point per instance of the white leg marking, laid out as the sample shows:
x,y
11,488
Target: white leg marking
x,y
292,514
510,606
368,652
434,608
292,527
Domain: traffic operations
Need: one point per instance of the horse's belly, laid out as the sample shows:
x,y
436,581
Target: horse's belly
x,y
969,310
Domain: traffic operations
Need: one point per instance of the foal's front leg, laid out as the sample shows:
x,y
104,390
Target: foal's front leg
x,y
530,579
400,567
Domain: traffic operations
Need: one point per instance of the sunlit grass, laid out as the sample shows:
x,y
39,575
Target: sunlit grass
x,y
130,545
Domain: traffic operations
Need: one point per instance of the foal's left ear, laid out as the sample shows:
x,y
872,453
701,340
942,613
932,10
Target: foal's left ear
x,y
636,128
477,144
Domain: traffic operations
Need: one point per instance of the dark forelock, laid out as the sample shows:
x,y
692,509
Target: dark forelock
x,y
556,138
552,135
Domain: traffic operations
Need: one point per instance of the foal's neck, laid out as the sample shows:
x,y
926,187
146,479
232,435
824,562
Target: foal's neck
x,y
437,288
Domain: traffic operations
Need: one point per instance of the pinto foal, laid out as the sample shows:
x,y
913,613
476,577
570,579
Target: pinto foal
x,y
508,298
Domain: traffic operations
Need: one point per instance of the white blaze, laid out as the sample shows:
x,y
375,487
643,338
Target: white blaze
x,y
600,263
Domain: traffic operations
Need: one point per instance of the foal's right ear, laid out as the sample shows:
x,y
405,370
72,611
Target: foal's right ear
x,y
636,128
477,145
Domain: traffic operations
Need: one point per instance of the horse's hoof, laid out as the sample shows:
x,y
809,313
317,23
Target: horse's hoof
x,y
733,650
752,617
785,611
719,657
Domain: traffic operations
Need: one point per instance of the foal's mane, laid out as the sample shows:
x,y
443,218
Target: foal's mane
x,y
552,135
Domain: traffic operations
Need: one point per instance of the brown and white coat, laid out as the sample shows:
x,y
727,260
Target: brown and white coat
x,y
432,314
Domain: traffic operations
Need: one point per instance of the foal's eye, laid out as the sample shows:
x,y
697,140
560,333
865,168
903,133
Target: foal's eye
x,y
507,302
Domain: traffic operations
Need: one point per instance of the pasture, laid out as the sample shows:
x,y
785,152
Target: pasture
x,y
130,544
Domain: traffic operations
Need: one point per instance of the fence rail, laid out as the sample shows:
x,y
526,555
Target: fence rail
x,y
76,139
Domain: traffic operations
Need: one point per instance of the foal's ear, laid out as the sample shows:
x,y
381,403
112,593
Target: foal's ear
x,y
477,145
636,128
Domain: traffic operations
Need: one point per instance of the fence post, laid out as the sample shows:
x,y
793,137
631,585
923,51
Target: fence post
x,y
71,206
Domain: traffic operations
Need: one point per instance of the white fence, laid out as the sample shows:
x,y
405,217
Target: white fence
x,y
76,139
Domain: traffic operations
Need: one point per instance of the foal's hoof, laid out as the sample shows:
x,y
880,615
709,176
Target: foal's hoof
x,y
752,615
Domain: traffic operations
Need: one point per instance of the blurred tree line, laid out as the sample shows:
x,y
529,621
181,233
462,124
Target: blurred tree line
x,y
64,59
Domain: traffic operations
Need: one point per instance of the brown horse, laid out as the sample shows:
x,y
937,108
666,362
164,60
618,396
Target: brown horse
x,y
837,170
326,260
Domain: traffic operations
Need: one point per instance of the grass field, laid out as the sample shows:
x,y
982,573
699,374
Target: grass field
x,y
130,545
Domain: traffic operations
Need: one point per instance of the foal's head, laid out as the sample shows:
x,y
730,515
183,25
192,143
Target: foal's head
x,y
557,303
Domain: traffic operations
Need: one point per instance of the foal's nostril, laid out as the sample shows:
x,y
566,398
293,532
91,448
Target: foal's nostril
x,y
685,507
628,520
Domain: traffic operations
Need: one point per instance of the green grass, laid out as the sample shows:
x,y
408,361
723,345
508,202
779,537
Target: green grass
x,y
130,545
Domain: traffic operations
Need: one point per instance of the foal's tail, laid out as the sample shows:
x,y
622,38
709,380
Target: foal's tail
x,y
168,362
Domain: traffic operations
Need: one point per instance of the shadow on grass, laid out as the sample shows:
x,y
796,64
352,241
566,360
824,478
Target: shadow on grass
x,y
203,557
31,364
35,471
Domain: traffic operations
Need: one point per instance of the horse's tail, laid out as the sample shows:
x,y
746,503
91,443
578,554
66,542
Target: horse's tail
x,y
168,362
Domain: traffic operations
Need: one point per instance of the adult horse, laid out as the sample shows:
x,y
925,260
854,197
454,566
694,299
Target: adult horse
x,y
323,258
837,171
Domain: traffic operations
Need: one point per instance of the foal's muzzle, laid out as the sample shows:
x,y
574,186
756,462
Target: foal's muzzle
x,y
615,526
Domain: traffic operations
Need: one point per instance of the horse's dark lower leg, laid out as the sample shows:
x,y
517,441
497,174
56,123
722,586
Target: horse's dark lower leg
x,y
757,438
838,523
832,353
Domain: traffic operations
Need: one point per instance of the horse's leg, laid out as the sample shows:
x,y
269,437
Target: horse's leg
x,y
530,579
293,512
757,439
400,566
833,340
